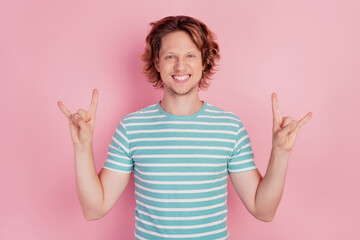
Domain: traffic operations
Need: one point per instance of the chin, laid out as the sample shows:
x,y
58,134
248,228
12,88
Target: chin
x,y
184,92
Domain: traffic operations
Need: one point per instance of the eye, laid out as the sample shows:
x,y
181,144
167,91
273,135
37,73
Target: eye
x,y
191,56
169,57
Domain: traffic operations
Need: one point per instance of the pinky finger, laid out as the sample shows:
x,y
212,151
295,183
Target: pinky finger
x,y
64,109
305,119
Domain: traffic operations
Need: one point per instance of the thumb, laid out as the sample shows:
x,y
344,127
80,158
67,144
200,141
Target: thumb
x,y
78,120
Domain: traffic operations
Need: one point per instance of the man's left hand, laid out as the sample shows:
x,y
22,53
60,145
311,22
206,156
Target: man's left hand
x,y
285,129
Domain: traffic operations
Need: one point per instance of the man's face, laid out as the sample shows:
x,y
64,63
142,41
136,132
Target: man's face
x,y
179,64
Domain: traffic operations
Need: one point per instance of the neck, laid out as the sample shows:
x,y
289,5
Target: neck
x,y
181,105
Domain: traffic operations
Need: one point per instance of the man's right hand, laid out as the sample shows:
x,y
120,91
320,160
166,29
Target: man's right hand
x,y
82,123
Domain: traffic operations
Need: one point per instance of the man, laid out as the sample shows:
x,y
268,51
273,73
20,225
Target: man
x,y
181,149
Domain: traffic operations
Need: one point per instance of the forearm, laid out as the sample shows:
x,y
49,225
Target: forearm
x,y
88,184
271,187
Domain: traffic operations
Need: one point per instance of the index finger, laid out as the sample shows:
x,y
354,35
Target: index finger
x,y
94,102
275,108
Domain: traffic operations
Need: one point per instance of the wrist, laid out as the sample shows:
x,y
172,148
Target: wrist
x,y
84,147
280,154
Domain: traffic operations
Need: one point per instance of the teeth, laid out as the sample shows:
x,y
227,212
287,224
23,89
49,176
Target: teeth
x,y
181,78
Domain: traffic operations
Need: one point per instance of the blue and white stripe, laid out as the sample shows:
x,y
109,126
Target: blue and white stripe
x,y
181,166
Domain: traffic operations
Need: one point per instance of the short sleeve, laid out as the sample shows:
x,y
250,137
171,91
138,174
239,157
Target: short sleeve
x,y
118,156
242,157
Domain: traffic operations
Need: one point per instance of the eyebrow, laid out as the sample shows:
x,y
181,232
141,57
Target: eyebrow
x,y
194,50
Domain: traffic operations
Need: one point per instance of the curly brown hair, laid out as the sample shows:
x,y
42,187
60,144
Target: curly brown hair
x,y
201,35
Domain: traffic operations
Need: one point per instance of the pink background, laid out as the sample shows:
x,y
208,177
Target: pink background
x,y
308,52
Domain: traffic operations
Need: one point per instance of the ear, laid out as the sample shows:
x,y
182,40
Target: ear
x,y
156,63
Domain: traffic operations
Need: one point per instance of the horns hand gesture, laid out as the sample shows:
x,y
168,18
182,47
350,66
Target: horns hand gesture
x,y
285,129
82,123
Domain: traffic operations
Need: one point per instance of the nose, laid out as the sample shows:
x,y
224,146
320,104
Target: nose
x,y
179,65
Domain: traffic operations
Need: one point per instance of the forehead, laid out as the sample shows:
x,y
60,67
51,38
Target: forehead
x,y
176,42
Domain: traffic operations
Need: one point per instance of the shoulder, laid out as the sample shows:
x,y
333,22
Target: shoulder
x,y
216,112
144,113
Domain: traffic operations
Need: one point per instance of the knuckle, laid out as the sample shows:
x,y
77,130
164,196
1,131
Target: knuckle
x,y
80,111
288,119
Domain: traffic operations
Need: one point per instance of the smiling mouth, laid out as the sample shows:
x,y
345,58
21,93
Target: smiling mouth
x,y
181,77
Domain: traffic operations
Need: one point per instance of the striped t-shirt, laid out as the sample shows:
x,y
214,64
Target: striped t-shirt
x,y
181,166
